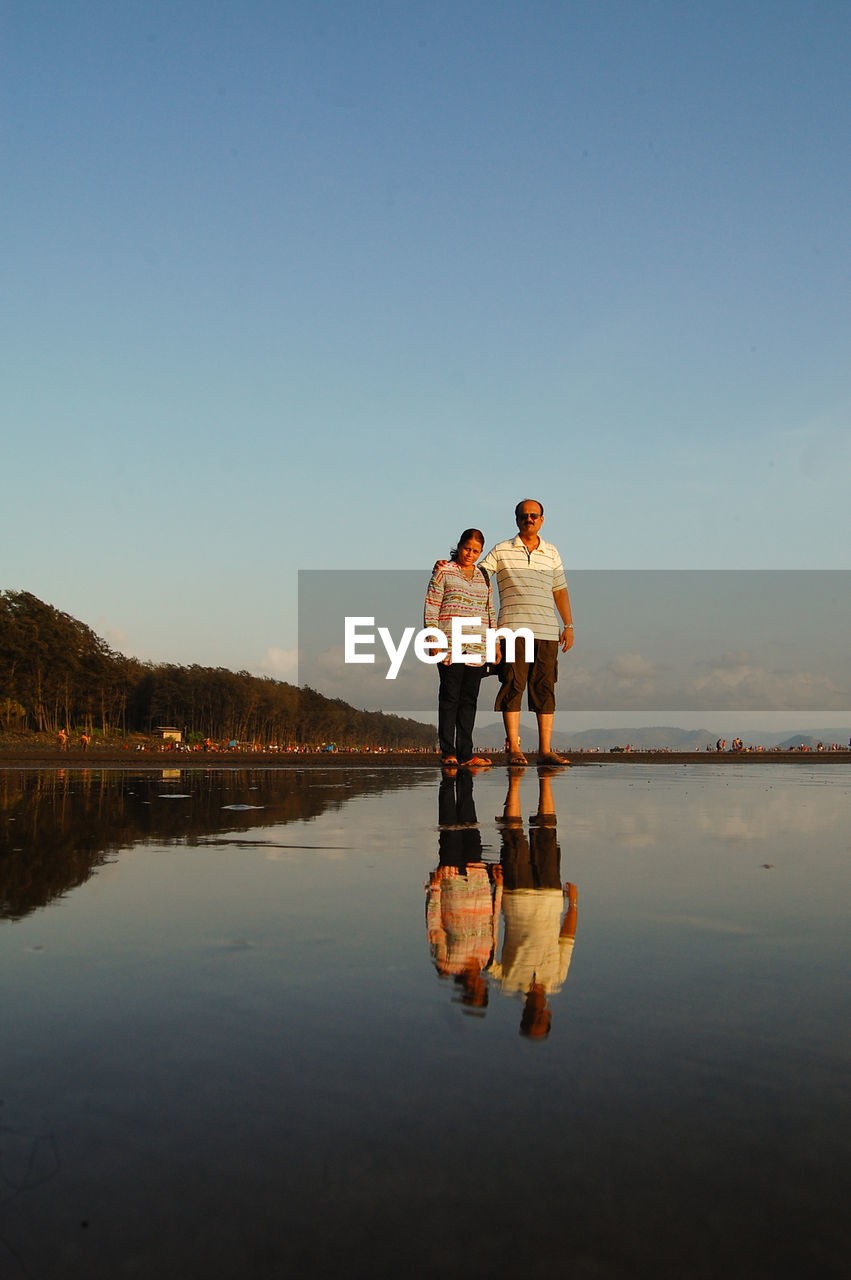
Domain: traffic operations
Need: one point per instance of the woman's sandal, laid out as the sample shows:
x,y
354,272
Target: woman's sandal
x,y
517,760
476,762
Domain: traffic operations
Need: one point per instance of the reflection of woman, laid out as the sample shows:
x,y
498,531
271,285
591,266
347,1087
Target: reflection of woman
x,y
462,917
462,896
458,589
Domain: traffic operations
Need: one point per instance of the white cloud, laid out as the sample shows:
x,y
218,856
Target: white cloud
x,y
366,685
279,663
735,680
732,680
632,666
117,638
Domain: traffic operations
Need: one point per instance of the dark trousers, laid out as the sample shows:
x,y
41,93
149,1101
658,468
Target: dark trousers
x,y
456,708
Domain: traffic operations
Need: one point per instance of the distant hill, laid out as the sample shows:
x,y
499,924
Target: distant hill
x,y
649,737
661,738
812,739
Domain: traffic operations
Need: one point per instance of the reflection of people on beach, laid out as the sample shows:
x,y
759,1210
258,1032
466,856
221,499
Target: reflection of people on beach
x,y
537,943
458,589
462,896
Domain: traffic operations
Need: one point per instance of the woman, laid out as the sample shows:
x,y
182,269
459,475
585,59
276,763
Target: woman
x,y
460,590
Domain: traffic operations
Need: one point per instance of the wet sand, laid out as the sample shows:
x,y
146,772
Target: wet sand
x,y
239,1048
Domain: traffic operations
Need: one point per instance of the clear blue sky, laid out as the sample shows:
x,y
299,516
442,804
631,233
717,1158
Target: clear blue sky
x,y
316,285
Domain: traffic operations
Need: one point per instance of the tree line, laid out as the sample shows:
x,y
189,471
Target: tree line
x,y
57,673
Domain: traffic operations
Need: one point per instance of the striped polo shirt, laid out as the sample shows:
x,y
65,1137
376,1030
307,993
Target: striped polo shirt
x,y
526,581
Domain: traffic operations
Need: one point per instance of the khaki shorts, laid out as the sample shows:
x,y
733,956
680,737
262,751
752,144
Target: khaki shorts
x,y
530,864
539,675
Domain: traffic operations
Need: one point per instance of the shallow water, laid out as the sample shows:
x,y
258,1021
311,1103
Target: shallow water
x,y
229,1049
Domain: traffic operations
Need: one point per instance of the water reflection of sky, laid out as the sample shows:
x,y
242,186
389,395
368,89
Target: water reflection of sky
x,y
233,1051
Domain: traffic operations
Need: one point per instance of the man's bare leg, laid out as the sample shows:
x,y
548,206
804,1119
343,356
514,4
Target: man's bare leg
x,y
546,805
511,720
545,740
545,733
511,810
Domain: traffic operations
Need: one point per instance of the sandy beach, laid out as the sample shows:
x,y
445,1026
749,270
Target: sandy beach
x,y
111,756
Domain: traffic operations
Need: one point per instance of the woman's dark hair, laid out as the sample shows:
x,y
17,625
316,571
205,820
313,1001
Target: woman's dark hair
x,y
465,537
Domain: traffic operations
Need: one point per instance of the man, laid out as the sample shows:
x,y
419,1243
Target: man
x,y
530,580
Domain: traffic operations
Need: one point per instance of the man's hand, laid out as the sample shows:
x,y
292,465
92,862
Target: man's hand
x,y
566,639
440,564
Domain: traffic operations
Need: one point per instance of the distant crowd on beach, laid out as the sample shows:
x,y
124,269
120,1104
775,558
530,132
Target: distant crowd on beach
x,y
209,746
736,745
67,740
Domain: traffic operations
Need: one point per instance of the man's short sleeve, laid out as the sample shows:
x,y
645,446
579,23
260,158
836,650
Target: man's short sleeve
x,y
490,562
559,579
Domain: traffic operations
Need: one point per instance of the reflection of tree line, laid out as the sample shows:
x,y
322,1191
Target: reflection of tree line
x,y
57,828
466,897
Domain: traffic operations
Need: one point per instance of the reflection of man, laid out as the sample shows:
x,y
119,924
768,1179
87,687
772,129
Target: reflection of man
x,y
462,896
530,579
537,942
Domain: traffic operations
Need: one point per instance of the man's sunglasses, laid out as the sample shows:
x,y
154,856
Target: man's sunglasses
x,y
527,515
